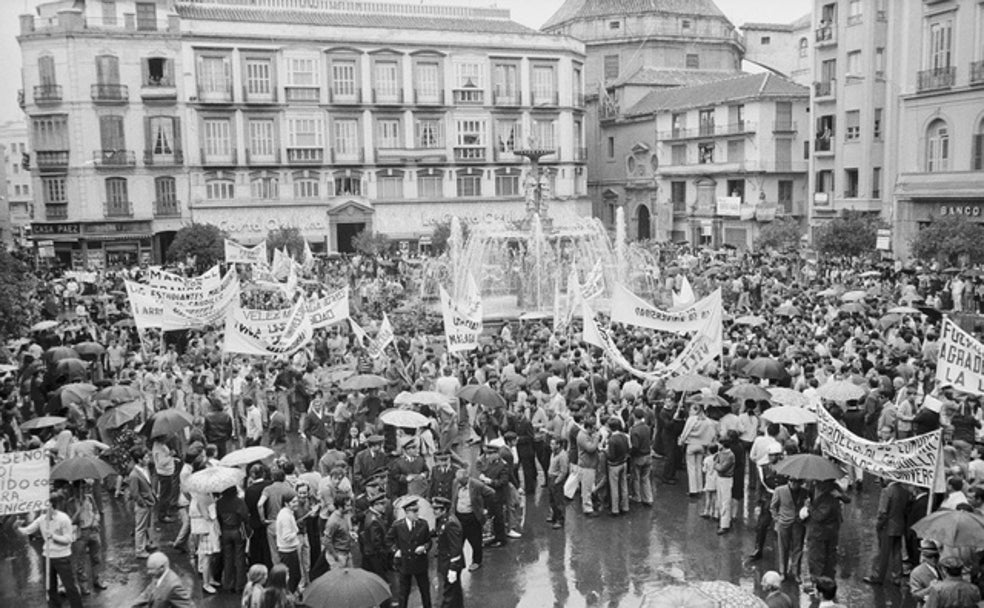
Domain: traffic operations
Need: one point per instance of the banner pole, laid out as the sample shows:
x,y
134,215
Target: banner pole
x,y
936,472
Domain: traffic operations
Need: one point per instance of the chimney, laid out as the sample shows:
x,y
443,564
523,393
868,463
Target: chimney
x,y
70,19
26,24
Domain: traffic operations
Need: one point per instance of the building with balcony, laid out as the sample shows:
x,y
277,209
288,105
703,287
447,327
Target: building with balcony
x,y
18,199
938,51
710,163
350,118
785,48
852,102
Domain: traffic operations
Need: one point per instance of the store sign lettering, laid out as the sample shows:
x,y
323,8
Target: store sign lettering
x,y
472,219
962,210
55,228
263,226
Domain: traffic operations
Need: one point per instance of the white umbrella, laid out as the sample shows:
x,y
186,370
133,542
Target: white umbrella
x,y
246,455
784,414
404,418
840,391
854,296
789,397
213,480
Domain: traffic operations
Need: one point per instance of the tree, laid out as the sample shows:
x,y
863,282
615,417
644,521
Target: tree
x,y
371,243
852,234
782,235
287,237
949,240
440,238
16,307
204,242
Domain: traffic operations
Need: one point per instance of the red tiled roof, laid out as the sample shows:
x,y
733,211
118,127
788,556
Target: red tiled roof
x,y
747,86
673,77
343,19
593,9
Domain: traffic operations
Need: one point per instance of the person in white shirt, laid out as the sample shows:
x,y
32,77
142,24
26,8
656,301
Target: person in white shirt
x,y
288,543
55,527
254,422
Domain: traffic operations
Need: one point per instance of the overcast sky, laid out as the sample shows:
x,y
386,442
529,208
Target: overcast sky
x,y
529,12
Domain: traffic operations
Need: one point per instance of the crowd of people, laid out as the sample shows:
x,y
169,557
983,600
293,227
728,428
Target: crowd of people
x,y
540,408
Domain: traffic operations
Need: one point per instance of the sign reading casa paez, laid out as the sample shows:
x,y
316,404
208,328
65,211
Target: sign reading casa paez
x,y
961,360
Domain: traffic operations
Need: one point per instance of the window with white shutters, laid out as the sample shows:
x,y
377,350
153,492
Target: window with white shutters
x,y
388,133
259,83
386,82
302,72
938,147
505,82
346,139
214,77
262,143
544,84
940,41
427,82
217,140
304,132
343,80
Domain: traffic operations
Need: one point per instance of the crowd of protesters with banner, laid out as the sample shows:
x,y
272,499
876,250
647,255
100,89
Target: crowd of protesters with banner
x,y
306,447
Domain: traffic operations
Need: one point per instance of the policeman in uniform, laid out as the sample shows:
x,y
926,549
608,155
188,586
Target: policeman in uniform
x,y
372,538
442,475
368,461
449,559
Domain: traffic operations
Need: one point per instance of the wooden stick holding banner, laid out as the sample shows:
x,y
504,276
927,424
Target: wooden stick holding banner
x,y
936,474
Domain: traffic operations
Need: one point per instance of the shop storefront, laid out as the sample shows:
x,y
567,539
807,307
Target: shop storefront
x,y
251,225
917,213
97,245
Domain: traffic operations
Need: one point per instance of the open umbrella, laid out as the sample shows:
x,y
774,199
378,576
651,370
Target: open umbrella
x,y
118,393
426,511
787,396
534,316
82,467
212,480
889,320
90,349
688,383
743,392
707,400
71,368
766,367
788,310
796,416
952,528
57,353
903,310
247,455
346,588
854,296
125,323
66,395
679,596
118,415
166,422
44,325
481,394
829,292
853,308
334,375
869,273
750,320
362,382
421,397
43,422
840,391
808,466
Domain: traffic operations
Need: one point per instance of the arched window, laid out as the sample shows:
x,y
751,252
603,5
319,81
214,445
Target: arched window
x,y
264,185
430,183
804,47
219,186
937,147
307,184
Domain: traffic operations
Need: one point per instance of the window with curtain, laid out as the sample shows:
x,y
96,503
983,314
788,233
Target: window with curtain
x,y
430,133
162,136
214,75
507,135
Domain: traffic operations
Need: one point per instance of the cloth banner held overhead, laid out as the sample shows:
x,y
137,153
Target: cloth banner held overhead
x,y
307,259
915,461
162,279
462,324
330,309
282,264
24,482
204,306
961,360
240,254
383,338
705,346
686,295
245,336
149,312
630,309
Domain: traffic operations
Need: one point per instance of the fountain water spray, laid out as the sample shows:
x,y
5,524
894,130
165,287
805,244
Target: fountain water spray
x,y
620,244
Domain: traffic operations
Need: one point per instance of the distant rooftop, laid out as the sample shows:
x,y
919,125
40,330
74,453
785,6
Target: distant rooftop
x,y
801,23
573,10
352,13
672,77
746,86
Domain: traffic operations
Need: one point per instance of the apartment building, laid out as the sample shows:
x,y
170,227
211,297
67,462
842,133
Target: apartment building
x,y
785,48
851,99
938,65
19,189
331,116
708,164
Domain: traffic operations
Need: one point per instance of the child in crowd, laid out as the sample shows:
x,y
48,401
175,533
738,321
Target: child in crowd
x,y
710,508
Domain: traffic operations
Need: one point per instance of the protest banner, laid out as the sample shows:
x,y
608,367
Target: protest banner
x,y
961,360
246,337
24,482
282,264
630,309
383,338
462,324
240,254
148,311
330,309
916,461
162,279
685,297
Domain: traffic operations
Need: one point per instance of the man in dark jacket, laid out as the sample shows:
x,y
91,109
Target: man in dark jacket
x,y
617,452
218,427
442,475
410,539
468,500
372,537
450,560
890,525
367,462
525,449
497,475
823,529
671,423
641,459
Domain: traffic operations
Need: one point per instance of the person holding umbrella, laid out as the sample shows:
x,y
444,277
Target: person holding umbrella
x,y
823,528
88,544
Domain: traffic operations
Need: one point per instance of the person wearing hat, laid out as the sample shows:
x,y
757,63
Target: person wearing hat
x,y
772,587
442,476
372,537
927,573
496,473
410,539
367,462
450,560
770,480
408,468
953,591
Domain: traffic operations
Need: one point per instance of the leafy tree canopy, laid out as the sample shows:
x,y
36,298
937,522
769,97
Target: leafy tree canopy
x,y
289,238
949,240
852,234
782,235
372,243
18,311
204,242
440,239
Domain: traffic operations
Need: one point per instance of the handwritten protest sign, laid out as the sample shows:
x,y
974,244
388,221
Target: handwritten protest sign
x,y
914,461
24,482
961,360
630,309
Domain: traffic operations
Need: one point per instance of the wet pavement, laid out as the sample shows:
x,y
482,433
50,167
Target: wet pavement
x,y
604,561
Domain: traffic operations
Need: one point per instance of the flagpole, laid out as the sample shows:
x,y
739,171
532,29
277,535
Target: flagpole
x,y
936,472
